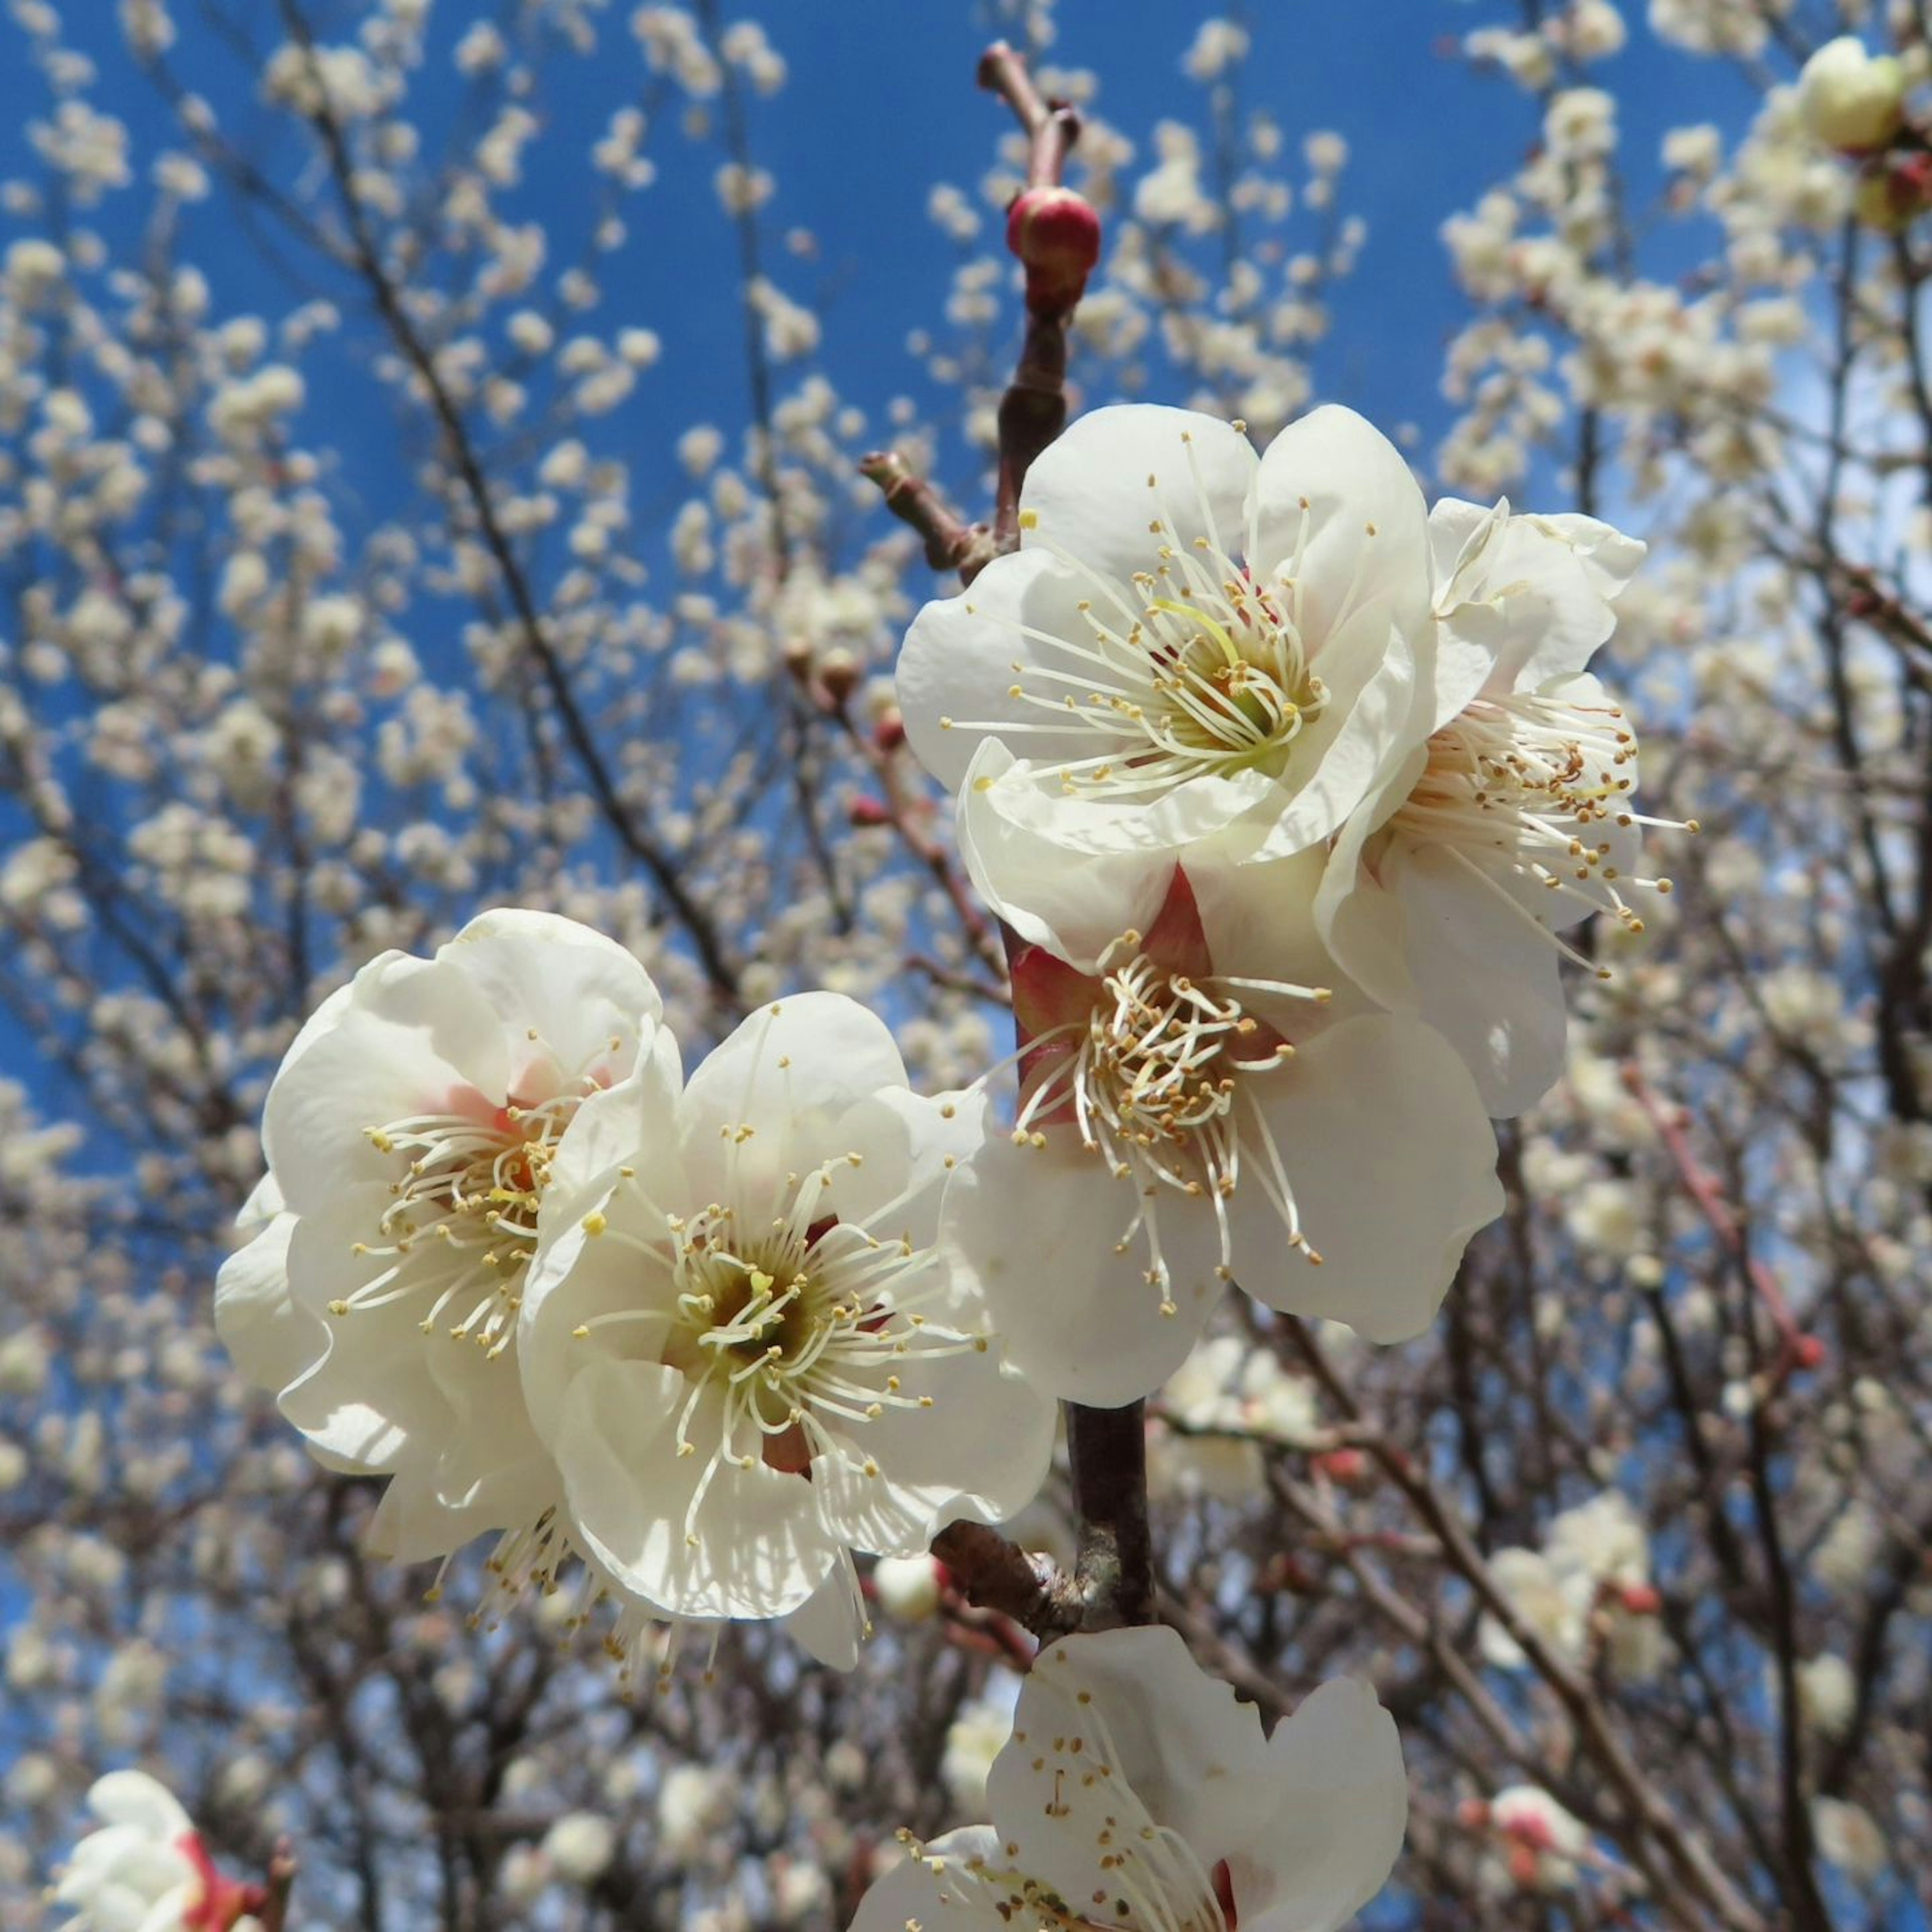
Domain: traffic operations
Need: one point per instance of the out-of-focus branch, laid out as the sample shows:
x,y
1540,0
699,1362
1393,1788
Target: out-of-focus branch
x,y
950,544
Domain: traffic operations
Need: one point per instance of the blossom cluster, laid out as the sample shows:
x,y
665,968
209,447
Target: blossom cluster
x,y
1286,789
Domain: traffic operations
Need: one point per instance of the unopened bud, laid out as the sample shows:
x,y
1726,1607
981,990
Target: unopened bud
x,y
1808,1352
868,811
1640,1600
889,733
838,673
1055,233
1346,1466
1893,194
1849,100
1473,1813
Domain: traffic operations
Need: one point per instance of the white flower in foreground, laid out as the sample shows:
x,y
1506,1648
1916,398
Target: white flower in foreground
x,y
734,1340
1850,99
145,1870
1446,893
1184,1123
1190,641
1137,1794
410,1135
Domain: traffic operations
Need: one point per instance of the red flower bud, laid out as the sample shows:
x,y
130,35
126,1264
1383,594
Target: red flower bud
x,y
1640,1600
1055,232
864,811
1342,1465
889,733
1808,1352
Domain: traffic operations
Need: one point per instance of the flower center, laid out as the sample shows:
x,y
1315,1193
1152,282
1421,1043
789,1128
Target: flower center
x,y
1158,1080
460,1224
1536,790
793,1328
1188,669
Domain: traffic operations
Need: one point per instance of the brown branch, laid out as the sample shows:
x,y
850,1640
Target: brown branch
x,y
997,1575
950,544
1114,1574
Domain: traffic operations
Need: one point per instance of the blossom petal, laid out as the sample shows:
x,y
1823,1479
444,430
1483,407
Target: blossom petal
x,y
1021,867
271,1338
1385,1140
1339,1807
963,656
917,1893
1037,1231
1336,513
573,986
1096,486
1192,1754
788,1073
416,1033
1490,979
753,1545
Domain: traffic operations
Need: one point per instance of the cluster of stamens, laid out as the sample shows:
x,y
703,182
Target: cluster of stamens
x,y
1158,1081
791,1326
460,1225
1538,789
1189,669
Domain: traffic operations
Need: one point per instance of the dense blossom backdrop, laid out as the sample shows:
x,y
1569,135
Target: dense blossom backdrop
x,y
430,478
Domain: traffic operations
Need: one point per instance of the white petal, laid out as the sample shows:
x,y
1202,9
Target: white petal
x,y
1193,1754
1351,480
982,1450
1033,796
576,1277
1490,979
1340,1806
828,1624
760,1550
1385,1142
1378,714
1034,1230
1073,906
1089,490
963,656
270,1337
415,1038
133,1798
916,1895
788,1073
575,986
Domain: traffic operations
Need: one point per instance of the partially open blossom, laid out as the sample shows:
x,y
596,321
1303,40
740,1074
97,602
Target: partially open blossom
x,y
1187,1118
1191,642
734,1342
1136,1793
146,1869
1850,98
410,1135
1447,892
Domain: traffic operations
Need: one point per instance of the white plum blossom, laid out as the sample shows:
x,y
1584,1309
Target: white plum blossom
x,y
1187,1118
734,1341
1135,1793
1446,894
1190,644
410,1135
1538,1843
146,1868
1589,1586
1851,99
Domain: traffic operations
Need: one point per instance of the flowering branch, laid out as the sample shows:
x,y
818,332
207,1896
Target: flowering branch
x,y
1114,1575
